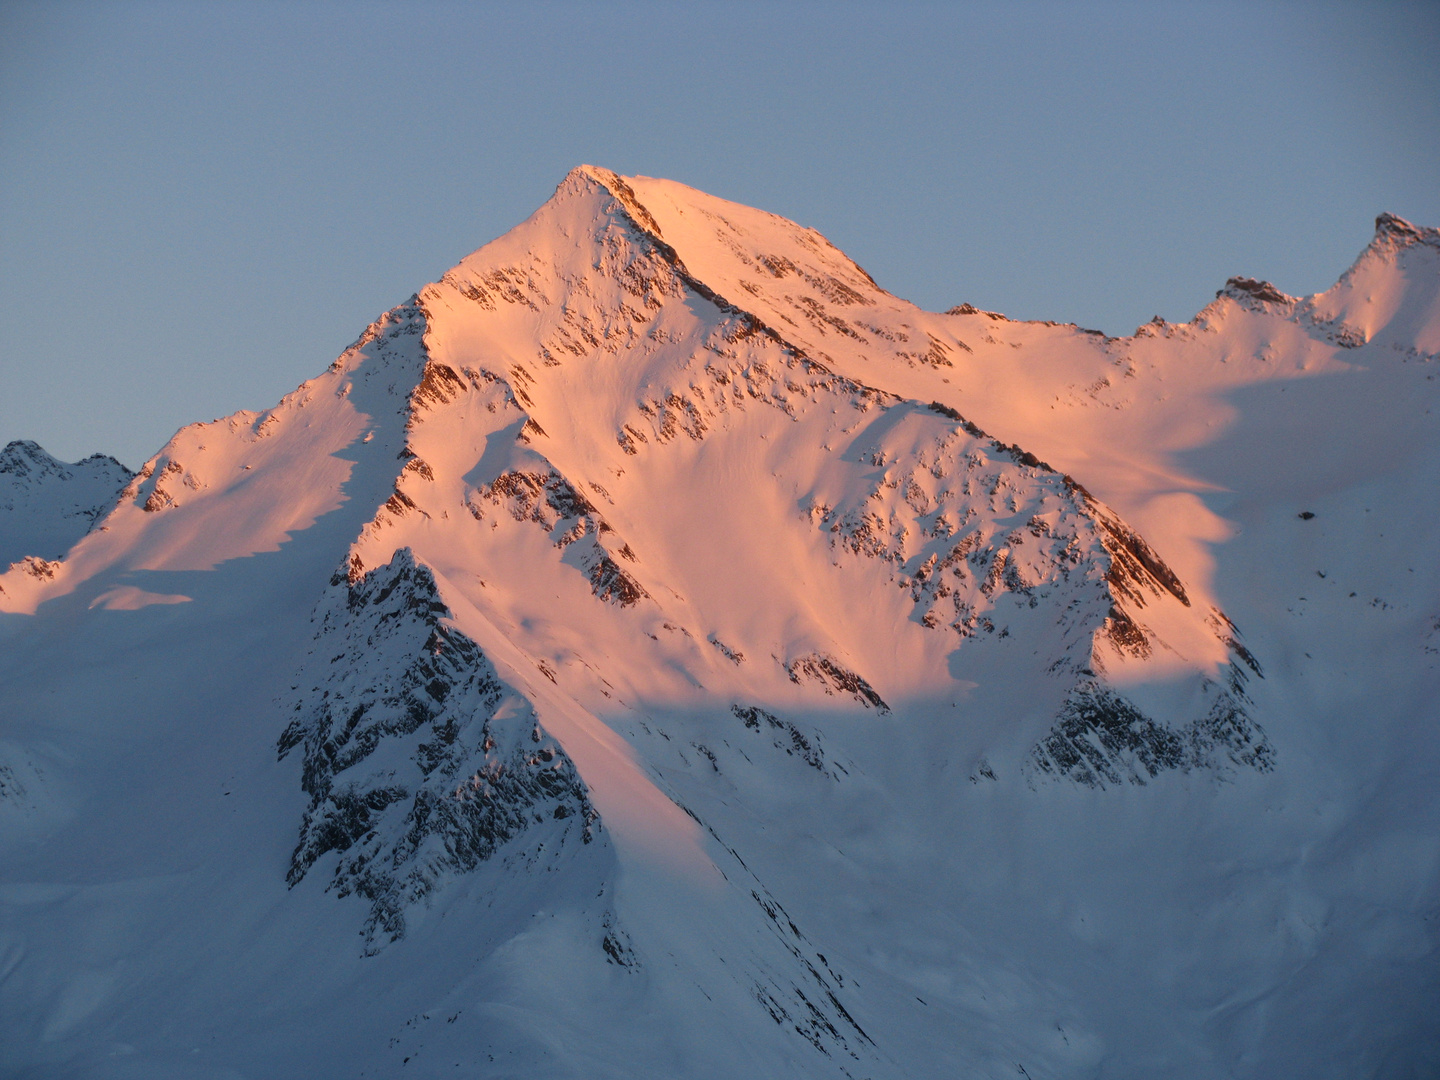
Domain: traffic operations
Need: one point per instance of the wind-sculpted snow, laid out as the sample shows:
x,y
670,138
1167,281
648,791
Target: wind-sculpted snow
x,y
419,763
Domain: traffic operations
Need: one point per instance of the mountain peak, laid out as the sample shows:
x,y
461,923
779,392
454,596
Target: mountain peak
x,y
1393,228
627,615
1250,289
51,503
1389,294
21,455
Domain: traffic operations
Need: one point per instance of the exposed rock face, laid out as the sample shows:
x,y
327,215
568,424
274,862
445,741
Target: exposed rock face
x,y
419,763
786,737
828,674
549,500
1393,228
1101,739
1248,289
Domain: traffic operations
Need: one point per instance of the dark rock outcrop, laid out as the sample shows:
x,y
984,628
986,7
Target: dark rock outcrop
x,y
419,762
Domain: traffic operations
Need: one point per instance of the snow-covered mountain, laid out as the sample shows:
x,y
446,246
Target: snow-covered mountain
x,y
47,505
654,650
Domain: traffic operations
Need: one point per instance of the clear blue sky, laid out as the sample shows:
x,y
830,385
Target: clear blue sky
x,y
201,204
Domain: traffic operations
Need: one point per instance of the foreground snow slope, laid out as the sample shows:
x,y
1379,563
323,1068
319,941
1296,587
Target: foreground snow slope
x,y
655,650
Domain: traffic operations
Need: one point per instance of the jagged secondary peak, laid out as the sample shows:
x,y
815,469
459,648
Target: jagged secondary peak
x,y
1248,290
1391,295
26,461
22,457
1393,229
46,505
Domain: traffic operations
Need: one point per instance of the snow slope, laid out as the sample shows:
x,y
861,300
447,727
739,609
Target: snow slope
x,y
655,650
47,505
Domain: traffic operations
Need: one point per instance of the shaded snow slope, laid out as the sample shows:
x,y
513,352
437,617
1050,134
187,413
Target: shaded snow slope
x,y
655,650
46,505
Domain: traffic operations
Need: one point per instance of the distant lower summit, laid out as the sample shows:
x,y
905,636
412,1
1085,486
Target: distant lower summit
x,y
46,504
